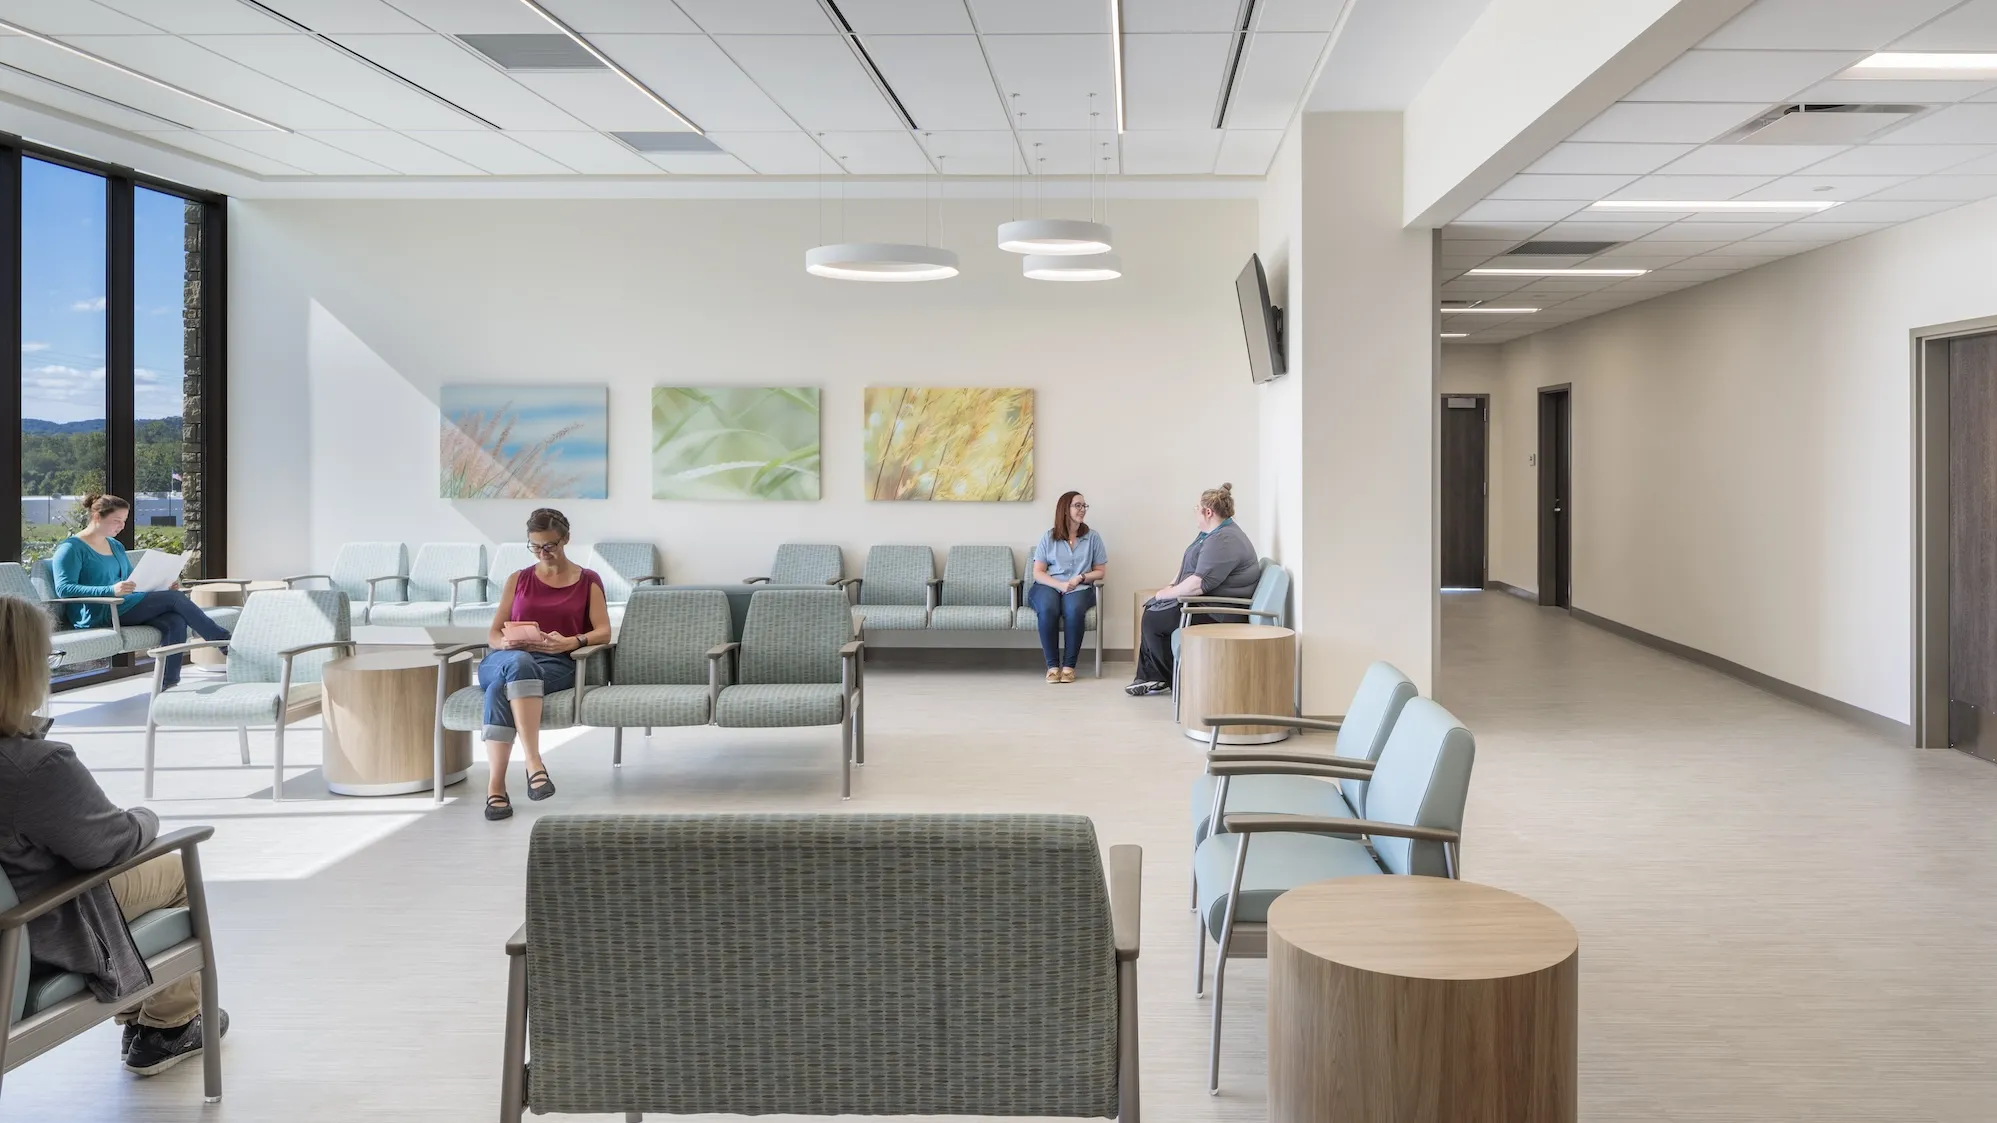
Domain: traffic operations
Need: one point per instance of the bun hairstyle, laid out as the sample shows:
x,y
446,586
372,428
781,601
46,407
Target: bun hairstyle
x,y
99,504
546,519
1219,500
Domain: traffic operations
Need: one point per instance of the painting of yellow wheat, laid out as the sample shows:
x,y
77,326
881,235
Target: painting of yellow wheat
x,y
949,445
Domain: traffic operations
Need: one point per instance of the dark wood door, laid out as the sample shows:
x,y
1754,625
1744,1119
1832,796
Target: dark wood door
x,y
1972,545
1556,505
1465,418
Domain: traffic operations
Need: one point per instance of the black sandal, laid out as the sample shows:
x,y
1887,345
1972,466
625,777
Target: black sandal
x,y
498,807
542,790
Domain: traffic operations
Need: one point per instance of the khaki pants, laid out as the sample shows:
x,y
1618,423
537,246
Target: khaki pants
x,y
158,884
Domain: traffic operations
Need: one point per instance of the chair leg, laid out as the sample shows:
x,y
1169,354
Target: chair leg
x,y
617,747
860,729
513,1066
1099,643
211,1001
1220,960
243,743
648,733
1200,956
277,761
152,735
846,758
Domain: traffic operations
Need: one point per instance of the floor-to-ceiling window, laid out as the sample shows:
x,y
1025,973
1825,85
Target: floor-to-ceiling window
x,y
121,379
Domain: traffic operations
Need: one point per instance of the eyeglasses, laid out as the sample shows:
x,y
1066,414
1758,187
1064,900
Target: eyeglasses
x,y
544,548
1078,506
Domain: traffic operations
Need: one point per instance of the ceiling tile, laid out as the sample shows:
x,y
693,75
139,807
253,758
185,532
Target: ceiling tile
x,y
470,17
1961,188
1710,231
1186,152
72,17
396,152
1953,124
1645,255
1753,247
1831,231
494,152
759,17
187,65
221,151
1578,158
907,17
984,152
1481,247
791,153
1741,75
1141,16
1587,188
1869,210
1068,152
1519,210
310,65
1515,231
1668,122
57,96
1986,165
1170,81
602,100
1830,25
877,153
451,70
301,151
1600,231
330,17
1840,187
1020,17
814,78
1690,186
1053,76
699,163
1899,159
1883,91
1275,75
1972,27
1750,159
1247,151
196,17
701,81
943,81
593,16
587,153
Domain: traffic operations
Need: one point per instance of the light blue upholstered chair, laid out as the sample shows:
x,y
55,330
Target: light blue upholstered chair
x,y
1028,620
433,586
1413,826
797,665
824,965
358,569
660,672
625,568
45,1010
36,585
1270,604
897,589
804,563
284,639
478,594
979,590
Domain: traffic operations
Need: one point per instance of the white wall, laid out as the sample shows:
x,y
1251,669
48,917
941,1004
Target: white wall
x,y
347,316
1743,452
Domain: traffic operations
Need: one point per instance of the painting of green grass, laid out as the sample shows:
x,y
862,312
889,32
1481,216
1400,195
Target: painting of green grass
x,y
525,442
949,445
735,442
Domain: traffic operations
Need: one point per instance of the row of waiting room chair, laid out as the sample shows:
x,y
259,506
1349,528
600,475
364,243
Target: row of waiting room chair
x,y
455,583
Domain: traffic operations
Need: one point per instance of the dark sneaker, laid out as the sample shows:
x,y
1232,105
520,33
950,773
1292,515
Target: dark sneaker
x,y
1140,689
156,1050
131,1035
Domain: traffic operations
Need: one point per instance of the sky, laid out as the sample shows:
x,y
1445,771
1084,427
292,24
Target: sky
x,y
62,296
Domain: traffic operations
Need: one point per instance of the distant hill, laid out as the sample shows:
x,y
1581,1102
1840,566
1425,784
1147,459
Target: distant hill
x,y
37,426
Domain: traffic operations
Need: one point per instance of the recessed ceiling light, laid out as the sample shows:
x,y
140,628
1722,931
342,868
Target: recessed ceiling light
x,y
122,69
1773,206
1558,272
1932,65
1490,311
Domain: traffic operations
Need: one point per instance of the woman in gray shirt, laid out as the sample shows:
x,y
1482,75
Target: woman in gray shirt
x,y
1221,562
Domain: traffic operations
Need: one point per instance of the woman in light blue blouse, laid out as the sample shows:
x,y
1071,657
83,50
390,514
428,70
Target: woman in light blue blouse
x,y
1067,564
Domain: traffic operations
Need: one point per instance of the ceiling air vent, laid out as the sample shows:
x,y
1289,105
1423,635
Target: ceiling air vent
x,y
533,52
1821,124
1561,249
681,143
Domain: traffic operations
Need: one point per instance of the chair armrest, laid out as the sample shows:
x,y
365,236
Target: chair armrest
x,y
1126,898
720,649
1228,609
402,577
184,648
238,582
755,580
1312,824
1225,721
516,944
1205,599
450,654
290,582
1264,766
1278,756
71,888
85,600
583,654
291,653
648,579
851,649
456,581
847,582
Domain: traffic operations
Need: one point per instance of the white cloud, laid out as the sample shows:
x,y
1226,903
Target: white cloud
x,y
34,345
94,304
57,383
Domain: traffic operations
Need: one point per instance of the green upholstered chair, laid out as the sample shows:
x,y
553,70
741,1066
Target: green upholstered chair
x,y
45,1010
625,568
1413,825
284,639
660,673
78,645
797,664
464,710
360,570
433,586
897,589
478,594
1028,620
979,590
822,965
804,563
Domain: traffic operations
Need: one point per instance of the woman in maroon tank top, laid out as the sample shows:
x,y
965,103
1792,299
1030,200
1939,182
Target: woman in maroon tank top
x,y
565,603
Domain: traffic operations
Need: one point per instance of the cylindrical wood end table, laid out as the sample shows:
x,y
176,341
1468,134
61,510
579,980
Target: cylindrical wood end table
x,y
1420,1000
381,721
1236,669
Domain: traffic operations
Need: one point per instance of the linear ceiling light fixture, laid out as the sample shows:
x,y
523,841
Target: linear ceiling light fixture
x,y
1116,57
1236,49
1558,272
370,63
606,60
1455,335
866,62
1932,65
1770,206
1487,310
126,70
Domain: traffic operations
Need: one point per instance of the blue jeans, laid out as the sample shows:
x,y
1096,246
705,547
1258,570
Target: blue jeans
x,y
1053,608
174,615
506,675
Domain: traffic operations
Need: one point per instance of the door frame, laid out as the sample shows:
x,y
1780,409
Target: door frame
x,y
1547,531
1484,508
1930,364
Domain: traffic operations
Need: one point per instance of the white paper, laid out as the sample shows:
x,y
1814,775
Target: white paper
x,y
156,570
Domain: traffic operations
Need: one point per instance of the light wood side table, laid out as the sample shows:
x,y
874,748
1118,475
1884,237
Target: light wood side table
x,y
1420,1000
381,722
1236,669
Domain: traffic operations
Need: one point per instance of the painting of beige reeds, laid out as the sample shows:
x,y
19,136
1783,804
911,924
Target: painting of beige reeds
x,y
949,445
525,442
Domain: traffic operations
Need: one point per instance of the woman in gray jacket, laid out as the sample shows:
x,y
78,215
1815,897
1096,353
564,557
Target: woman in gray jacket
x,y
1221,562
55,822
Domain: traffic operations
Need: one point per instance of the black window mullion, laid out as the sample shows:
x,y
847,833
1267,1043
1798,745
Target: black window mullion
x,y
10,343
121,460
215,389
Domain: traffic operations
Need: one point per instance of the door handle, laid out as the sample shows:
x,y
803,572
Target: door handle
x,y
1558,507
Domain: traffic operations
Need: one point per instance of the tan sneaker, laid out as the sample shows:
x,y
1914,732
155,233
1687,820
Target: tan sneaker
x,y
1067,674
1053,674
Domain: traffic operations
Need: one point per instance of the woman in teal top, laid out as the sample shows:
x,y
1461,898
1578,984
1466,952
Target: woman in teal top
x,y
92,563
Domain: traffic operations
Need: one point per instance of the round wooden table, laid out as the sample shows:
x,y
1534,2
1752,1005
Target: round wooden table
x,y
1237,669
1420,1000
381,722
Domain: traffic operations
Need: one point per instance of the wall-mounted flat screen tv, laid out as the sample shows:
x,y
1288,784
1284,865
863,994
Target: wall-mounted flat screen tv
x,y
1261,321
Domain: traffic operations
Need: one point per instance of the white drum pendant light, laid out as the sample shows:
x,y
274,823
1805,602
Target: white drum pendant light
x,y
880,261
1054,236
1073,267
